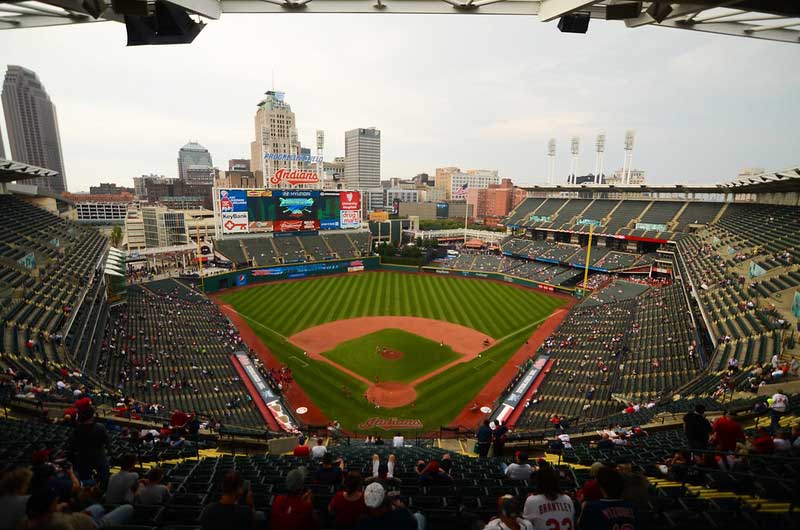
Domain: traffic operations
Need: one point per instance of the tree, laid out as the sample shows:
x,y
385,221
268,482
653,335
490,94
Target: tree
x,y
116,235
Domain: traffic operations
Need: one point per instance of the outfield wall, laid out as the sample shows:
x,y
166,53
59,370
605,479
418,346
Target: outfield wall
x,y
501,277
258,275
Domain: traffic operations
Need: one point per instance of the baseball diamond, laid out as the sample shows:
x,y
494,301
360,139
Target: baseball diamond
x,y
443,327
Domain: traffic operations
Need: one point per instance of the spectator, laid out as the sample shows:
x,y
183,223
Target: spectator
x,y
319,450
550,503
484,437
727,432
697,428
762,442
44,512
347,506
88,445
14,486
590,491
397,441
605,443
520,469
123,485
301,449
432,474
611,511
153,492
509,516
781,442
330,472
447,463
384,513
229,511
383,472
499,438
293,511
777,409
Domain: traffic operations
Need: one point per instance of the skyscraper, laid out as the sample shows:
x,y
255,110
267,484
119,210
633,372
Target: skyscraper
x,y
32,126
275,145
362,159
2,149
194,165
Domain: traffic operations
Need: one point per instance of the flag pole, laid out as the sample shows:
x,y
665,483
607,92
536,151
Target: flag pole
x,y
466,216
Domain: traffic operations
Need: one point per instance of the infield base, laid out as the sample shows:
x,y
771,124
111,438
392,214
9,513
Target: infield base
x,y
391,394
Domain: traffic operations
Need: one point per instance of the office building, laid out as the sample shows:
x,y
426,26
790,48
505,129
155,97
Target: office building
x,y
109,188
636,178
239,164
239,178
451,179
276,145
164,227
400,194
194,165
2,149
490,205
32,126
362,159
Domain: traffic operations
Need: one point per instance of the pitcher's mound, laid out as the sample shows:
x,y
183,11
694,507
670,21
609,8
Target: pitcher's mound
x,y
391,355
391,394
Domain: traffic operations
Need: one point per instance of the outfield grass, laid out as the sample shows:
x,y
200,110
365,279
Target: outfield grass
x,y
420,355
489,307
503,312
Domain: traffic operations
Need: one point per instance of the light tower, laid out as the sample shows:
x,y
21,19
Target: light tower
x,y
320,148
551,160
575,145
598,163
628,162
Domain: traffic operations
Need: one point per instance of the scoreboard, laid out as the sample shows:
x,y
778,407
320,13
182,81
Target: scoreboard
x,y
243,211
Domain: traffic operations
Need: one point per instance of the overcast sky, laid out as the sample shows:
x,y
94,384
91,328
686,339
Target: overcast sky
x,y
470,91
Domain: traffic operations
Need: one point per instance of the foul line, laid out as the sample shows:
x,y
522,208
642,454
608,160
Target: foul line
x,y
257,323
501,339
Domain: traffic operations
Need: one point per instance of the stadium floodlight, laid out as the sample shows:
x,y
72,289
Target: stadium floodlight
x,y
574,23
169,25
659,11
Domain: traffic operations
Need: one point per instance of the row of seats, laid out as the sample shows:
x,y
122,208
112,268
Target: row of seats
x,y
265,251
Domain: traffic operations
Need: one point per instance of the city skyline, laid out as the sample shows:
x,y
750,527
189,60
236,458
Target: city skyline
x,y
491,108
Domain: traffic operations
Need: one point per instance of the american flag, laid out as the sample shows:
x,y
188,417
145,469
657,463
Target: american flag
x,y
461,192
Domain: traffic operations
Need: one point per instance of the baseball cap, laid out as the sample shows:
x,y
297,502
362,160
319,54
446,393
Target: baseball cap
x,y
374,495
295,479
41,456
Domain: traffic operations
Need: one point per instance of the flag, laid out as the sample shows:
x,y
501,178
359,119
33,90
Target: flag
x,y
461,192
756,270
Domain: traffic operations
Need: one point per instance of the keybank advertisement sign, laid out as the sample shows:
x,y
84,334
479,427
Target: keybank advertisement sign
x,y
232,200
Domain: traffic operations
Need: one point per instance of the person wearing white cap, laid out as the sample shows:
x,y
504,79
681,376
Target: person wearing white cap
x,y
387,512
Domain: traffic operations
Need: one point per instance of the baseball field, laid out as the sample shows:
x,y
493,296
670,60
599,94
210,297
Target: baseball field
x,y
390,345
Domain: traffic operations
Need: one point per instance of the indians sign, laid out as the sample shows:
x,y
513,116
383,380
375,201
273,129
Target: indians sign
x,y
294,177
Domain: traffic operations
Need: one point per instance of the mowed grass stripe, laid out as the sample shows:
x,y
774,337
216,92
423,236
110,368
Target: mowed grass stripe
x,y
489,307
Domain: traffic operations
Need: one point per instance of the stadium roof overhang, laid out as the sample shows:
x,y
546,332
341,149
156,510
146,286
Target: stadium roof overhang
x,y
777,20
11,171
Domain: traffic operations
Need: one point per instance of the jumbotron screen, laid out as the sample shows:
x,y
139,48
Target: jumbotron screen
x,y
244,211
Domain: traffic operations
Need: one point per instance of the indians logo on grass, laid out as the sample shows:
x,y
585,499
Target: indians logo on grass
x,y
390,424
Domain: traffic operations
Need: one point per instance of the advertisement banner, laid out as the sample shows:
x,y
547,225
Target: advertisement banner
x,y
296,204
350,219
350,201
260,226
232,201
442,210
296,225
241,279
234,223
329,224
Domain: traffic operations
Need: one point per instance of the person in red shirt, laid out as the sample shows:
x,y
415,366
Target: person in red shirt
x,y
301,449
762,443
727,432
294,510
590,491
347,506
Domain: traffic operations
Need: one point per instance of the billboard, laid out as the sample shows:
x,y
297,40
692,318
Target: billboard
x,y
442,210
234,223
232,201
294,177
287,210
